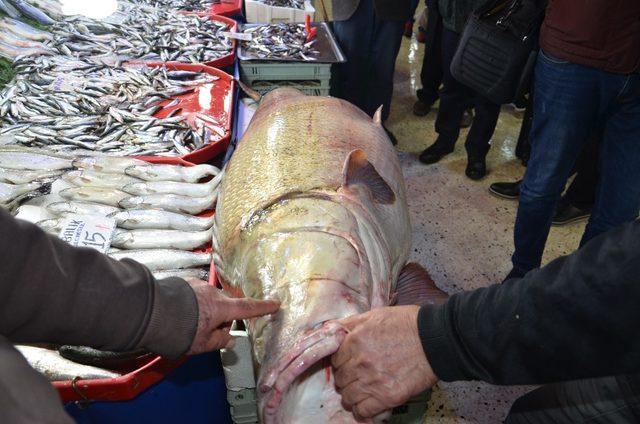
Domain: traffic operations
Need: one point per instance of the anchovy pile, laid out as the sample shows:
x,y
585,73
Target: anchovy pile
x,y
188,5
295,4
144,34
69,105
282,41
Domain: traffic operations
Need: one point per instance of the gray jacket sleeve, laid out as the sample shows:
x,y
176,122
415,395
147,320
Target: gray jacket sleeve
x,y
574,318
55,293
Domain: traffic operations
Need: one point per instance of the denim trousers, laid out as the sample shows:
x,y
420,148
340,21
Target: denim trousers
x,y
571,103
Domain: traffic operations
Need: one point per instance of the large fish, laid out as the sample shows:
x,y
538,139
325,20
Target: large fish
x,y
312,211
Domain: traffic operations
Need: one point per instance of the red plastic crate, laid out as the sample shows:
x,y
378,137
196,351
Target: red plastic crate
x,y
141,373
215,101
227,8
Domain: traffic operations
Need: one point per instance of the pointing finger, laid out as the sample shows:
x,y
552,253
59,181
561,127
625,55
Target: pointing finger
x,y
249,308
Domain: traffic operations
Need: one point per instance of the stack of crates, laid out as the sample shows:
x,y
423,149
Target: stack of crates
x,y
308,77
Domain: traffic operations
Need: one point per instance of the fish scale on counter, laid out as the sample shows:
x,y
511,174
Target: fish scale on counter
x,y
73,105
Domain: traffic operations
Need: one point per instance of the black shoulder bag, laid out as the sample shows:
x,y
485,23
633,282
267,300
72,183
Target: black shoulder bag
x,y
498,48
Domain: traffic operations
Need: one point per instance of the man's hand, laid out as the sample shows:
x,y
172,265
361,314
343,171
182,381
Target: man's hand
x,y
216,311
381,363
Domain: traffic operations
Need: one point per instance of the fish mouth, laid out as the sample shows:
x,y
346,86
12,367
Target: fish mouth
x,y
319,344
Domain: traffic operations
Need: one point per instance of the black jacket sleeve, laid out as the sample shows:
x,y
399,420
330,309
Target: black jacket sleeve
x,y
575,318
55,293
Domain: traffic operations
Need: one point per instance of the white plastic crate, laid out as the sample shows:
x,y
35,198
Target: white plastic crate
x,y
260,13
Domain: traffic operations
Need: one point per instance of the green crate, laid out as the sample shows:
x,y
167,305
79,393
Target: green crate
x,y
251,71
312,88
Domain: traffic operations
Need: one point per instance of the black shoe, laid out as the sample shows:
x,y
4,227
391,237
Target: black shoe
x,y
509,191
513,274
433,154
566,213
476,169
467,119
421,108
392,137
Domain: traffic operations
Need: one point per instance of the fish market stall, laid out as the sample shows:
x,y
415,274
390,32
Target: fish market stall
x,y
113,130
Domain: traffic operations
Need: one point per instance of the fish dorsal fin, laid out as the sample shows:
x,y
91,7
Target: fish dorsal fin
x,y
415,287
377,117
358,170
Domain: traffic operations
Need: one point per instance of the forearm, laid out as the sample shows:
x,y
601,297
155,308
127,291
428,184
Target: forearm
x,y
53,292
574,318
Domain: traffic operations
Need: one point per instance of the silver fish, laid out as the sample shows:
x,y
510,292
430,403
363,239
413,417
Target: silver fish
x,y
160,219
199,273
170,202
279,41
16,176
9,192
55,368
88,177
170,187
160,239
102,195
188,174
31,161
107,164
53,225
81,208
163,259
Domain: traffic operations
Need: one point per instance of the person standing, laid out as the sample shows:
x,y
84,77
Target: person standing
x,y
455,98
587,80
369,33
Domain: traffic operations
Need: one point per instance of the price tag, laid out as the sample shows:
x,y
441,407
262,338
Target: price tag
x,y
88,231
237,35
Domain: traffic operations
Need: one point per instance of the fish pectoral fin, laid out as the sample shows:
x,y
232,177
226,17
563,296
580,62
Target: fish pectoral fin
x,y
358,170
377,117
416,287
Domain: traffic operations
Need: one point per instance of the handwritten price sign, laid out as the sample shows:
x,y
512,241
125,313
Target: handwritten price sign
x,y
88,231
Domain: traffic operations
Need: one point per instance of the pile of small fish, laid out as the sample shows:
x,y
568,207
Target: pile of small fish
x,y
70,105
145,34
155,208
133,32
188,5
279,41
295,4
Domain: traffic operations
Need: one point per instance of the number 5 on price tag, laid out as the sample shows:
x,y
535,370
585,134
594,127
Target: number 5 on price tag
x,y
88,231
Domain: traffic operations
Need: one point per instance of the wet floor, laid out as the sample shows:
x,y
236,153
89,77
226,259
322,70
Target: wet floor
x,y
462,235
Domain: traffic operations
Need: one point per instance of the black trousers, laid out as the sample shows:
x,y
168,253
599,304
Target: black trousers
x,y
431,73
604,400
455,98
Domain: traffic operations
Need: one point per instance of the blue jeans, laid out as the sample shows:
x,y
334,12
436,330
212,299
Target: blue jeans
x,y
371,46
571,103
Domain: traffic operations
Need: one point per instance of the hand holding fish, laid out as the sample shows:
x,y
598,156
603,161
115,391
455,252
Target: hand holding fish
x,y
381,363
216,311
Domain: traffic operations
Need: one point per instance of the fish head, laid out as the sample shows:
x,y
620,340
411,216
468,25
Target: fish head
x,y
306,252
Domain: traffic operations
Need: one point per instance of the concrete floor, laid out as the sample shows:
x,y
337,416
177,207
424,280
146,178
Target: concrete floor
x,y
462,234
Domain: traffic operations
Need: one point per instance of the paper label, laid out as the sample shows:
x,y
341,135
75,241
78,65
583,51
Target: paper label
x,y
88,231
237,35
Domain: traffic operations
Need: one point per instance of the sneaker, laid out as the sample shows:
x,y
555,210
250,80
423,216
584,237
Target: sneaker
x,y
509,191
433,154
566,213
421,108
